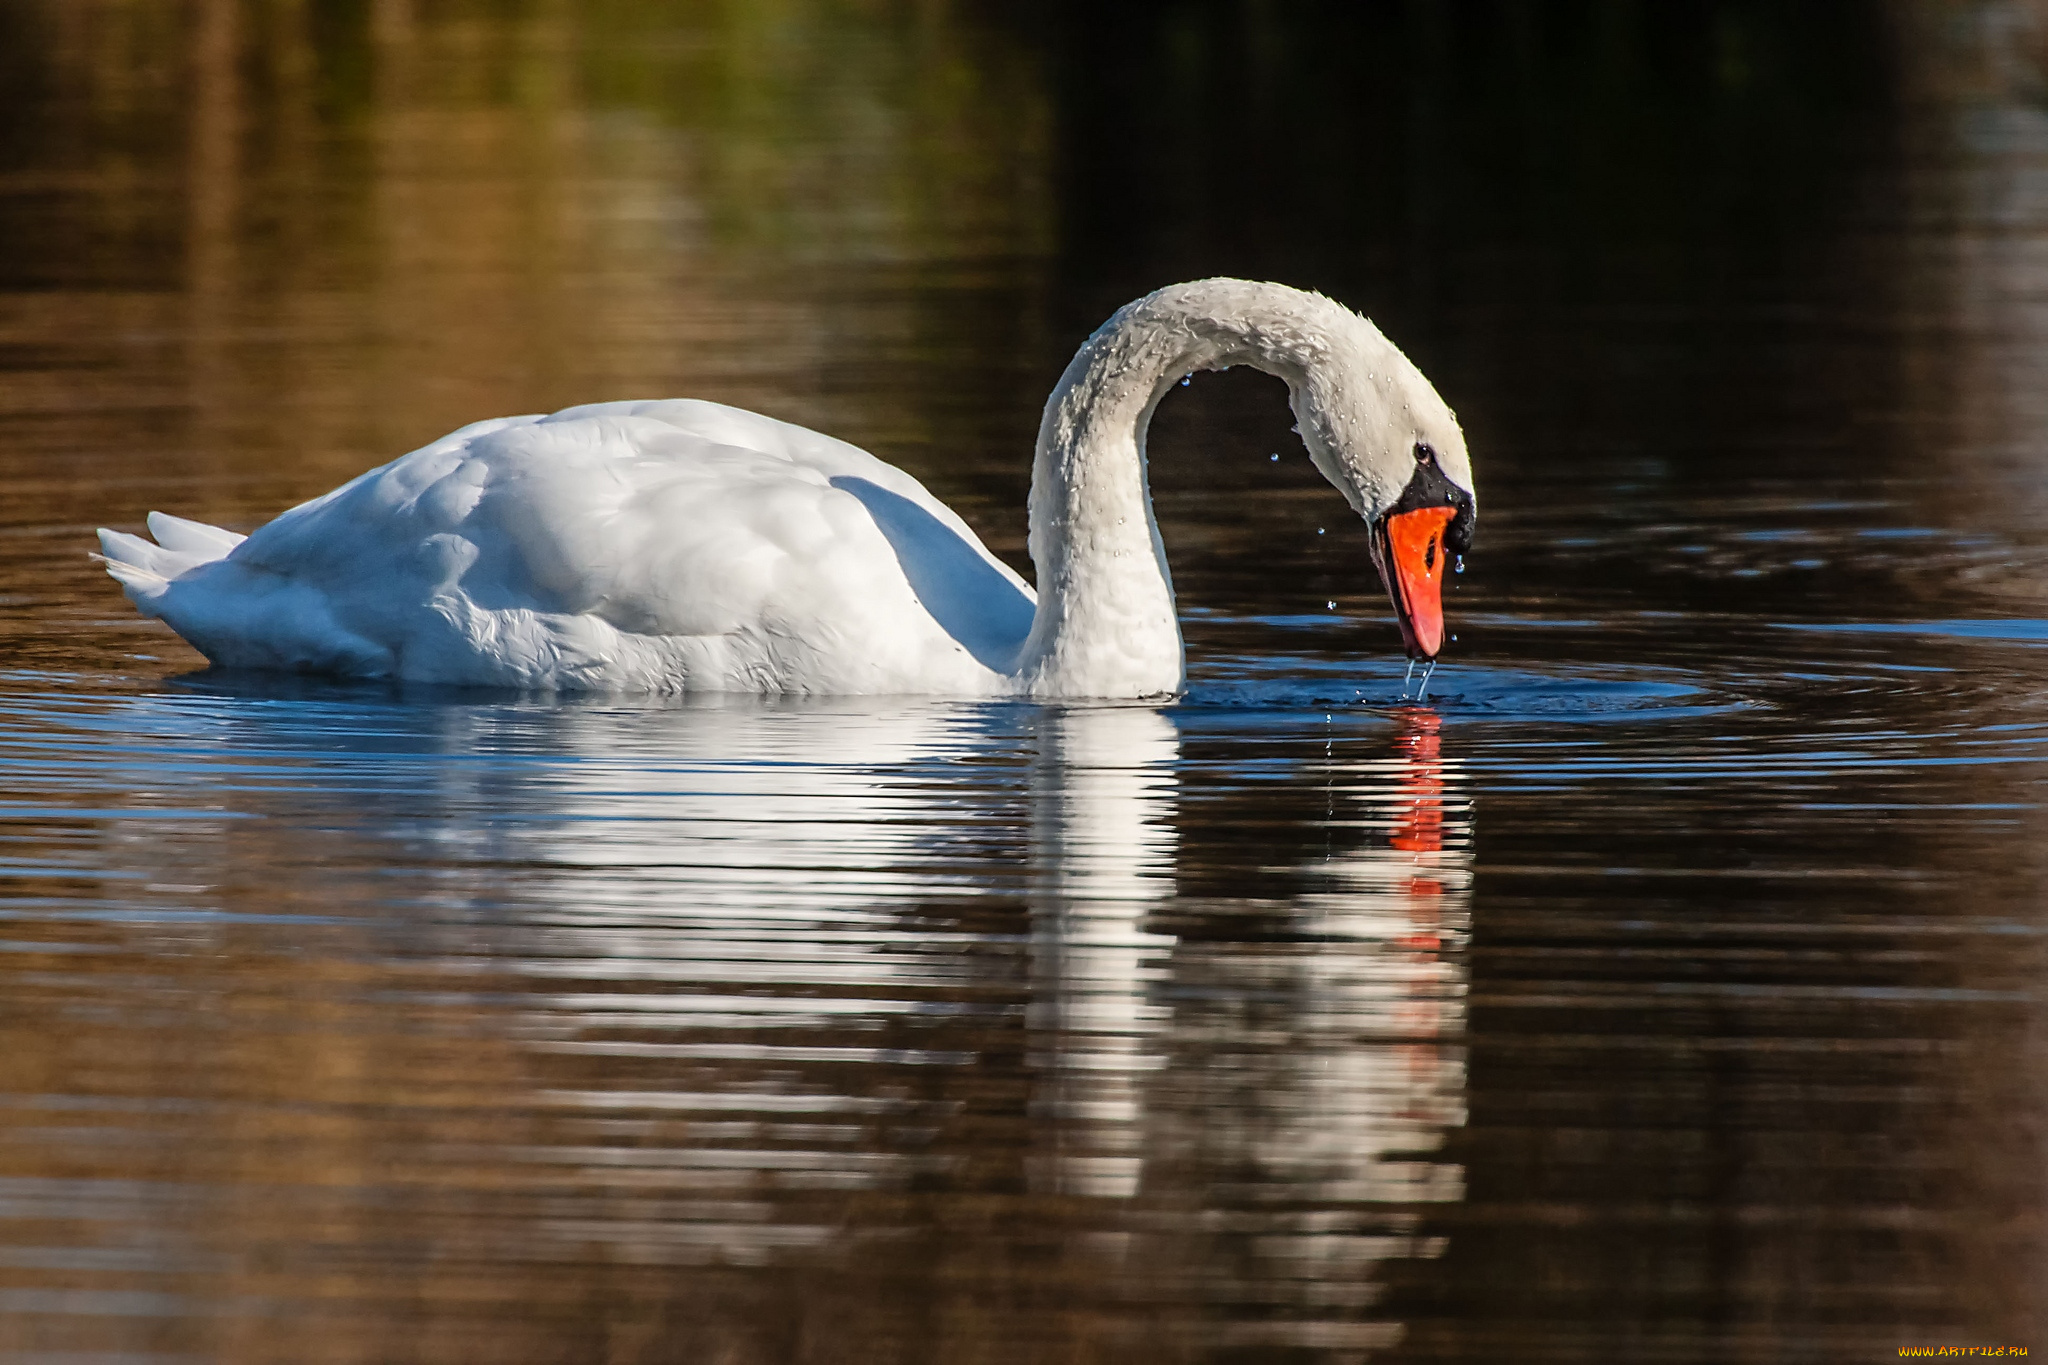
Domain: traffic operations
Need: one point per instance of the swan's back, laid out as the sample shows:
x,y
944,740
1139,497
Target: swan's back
x,y
664,545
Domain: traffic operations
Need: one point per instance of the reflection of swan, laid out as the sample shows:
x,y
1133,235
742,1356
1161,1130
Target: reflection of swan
x,y
1104,846
685,546
738,879
715,816
755,973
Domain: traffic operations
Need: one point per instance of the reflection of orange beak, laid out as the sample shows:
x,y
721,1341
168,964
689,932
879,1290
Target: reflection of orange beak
x,y
1420,828
1412,566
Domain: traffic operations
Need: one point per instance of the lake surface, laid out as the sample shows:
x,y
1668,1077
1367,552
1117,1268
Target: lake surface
x,y
1666,986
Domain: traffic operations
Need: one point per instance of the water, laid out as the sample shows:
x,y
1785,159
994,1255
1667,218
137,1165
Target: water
x,y
1668,987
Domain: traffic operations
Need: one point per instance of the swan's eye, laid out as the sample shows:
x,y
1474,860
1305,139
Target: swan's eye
x,y
1423,453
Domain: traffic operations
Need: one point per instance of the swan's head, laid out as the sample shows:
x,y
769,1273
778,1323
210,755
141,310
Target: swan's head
x,y
1380,432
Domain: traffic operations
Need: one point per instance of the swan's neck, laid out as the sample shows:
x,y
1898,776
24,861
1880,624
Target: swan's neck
x,y
1105,625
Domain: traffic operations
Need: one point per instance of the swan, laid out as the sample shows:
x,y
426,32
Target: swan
x,y
678,545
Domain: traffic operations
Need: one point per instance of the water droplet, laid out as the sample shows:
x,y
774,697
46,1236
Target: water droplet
x,y
1119,521
1331,605
1319,530
1186,380
1274,458
1457,564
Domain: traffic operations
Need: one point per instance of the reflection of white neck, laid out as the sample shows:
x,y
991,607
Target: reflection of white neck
x,y
1114,793
1105,844
1105,623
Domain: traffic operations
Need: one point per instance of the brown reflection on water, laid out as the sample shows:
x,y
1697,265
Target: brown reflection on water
x,y
1977,313
391,227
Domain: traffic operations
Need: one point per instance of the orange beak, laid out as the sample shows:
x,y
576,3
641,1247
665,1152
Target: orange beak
x,y
1412,566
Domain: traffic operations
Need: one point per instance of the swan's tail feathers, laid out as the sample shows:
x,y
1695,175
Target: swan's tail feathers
x,y
237,615
144,570
192,537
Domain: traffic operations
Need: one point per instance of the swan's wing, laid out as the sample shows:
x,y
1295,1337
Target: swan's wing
x,y
529,540
842,464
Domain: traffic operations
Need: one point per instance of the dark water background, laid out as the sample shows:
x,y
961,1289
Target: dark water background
x,y
1670,988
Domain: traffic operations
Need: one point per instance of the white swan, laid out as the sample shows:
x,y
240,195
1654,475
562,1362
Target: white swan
x,y
686,546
